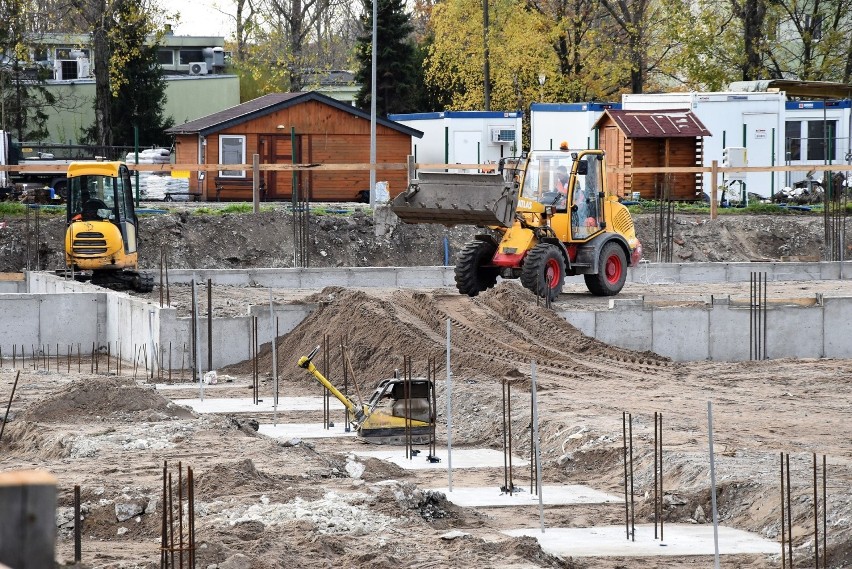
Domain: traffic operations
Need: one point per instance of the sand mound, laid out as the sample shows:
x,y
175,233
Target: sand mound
x,y
494,335
103,397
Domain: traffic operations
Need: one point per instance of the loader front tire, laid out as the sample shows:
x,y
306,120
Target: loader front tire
x,y
612,271
473,273
544,271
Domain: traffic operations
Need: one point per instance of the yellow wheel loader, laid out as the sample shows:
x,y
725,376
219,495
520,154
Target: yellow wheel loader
x,y
382,419
102,233
550,214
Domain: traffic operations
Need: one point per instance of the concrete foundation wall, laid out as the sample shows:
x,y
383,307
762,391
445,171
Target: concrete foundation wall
x,y
407,277
721,331
43,320
139,329
51,310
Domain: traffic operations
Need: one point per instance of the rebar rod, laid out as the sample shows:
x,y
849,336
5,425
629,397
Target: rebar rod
x,y
164,531
816,517
824,515
789,514
162,254
505,442
190,487
662,493
632,493
624,457
78,549
209,324
171,521
509,408
9,406
656,482
180,512
783,519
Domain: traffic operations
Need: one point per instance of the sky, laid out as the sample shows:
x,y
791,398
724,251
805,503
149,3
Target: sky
x,y
201,17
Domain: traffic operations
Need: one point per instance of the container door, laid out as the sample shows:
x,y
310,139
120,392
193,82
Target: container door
x,y
758,143
467,147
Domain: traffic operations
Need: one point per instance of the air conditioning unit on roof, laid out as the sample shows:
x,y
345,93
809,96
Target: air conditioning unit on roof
x,y
198,68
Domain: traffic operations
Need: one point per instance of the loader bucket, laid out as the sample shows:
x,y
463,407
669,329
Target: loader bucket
x,y
457,199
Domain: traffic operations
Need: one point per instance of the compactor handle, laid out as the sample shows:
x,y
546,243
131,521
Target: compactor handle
x,y
306,361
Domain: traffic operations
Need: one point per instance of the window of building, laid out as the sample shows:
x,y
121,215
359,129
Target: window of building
x,y
69,69
821,133
188,56
165,57
232,150
793,144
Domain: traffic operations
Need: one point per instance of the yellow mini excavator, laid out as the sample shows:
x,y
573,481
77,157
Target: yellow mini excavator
x,y
382,420
102,233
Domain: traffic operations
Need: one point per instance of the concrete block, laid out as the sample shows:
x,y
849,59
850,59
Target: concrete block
x,y
628,328
651,273
682,334
794,332
837,328
703,273
729,333
584,321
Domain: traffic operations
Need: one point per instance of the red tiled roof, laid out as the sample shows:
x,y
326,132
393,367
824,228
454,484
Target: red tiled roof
x,y
657,124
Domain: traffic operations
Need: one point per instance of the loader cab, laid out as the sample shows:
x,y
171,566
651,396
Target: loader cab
x,y
102,192
567,183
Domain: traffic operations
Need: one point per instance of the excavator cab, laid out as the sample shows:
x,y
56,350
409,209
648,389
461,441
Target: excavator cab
x,y
101,238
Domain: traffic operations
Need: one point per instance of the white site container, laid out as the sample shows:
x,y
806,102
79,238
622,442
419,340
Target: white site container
x,y
554,123
464,137
804,125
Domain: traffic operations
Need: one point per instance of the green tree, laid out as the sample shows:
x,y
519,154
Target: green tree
x,y
398,77
130,89
23,98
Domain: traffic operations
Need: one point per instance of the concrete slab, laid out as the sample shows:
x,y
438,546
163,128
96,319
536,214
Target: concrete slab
x,y
462,458
551,496
287,431
191,386
246,405
681,540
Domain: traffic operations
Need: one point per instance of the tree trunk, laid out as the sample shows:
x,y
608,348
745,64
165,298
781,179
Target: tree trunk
x,y
103,120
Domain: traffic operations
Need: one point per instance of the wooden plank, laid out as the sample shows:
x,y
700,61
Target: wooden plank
x,y
8,277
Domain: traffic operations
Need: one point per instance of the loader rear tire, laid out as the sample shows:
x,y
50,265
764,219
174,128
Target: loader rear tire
x,y
473,275
612,271
544,271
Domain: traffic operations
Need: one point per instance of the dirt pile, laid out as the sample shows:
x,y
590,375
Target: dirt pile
x,y
377,333
104,397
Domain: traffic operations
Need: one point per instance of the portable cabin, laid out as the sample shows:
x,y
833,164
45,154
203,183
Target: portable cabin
x,y
287,128
551,124
652,139
464,137
816,132
754,121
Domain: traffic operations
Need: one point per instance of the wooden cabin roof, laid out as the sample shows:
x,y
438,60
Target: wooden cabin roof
x,y
656,123
271,103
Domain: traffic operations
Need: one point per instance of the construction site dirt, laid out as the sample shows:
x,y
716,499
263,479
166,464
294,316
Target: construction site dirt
x,y
296,501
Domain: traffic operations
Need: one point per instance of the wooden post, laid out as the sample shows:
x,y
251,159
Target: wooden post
x,y
28,531
714,189
255,182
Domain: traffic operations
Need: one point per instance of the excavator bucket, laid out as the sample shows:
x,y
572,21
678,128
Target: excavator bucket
x,y
457,199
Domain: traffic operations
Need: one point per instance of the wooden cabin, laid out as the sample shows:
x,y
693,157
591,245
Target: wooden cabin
x,y
313,126
651,139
